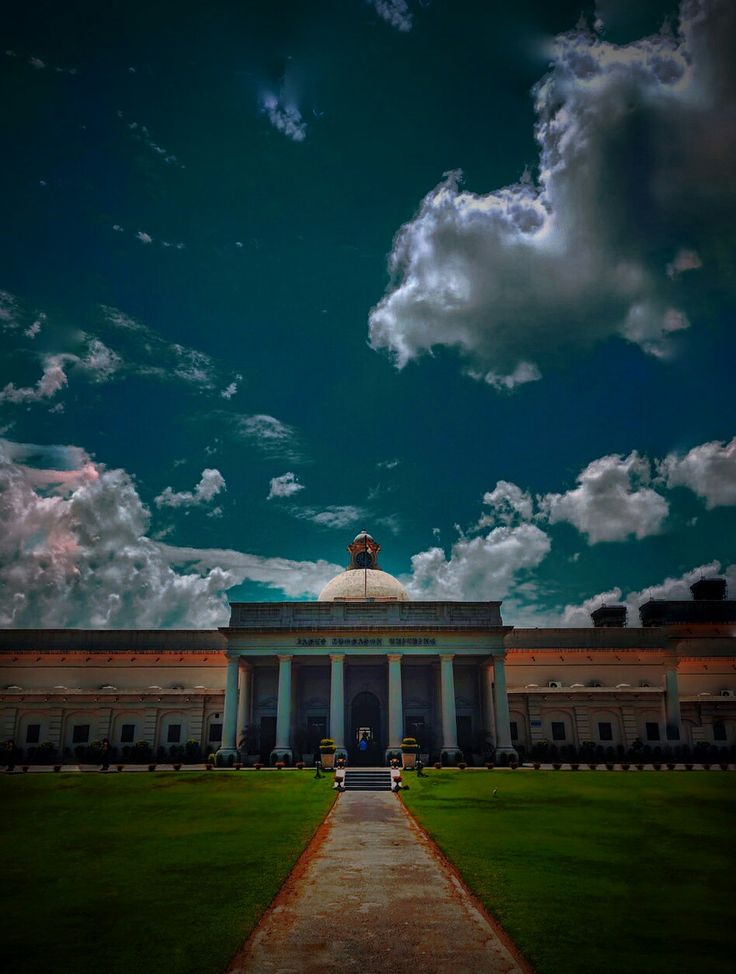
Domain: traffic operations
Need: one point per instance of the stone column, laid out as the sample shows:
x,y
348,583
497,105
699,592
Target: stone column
x,y
503,724
281,749
672,702
490,710
243,701
337,703
228,747
449,719
395,703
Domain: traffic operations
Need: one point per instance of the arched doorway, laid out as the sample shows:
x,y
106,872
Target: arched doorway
x,y
365,725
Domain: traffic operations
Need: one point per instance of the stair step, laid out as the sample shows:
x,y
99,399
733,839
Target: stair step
x,y
358,780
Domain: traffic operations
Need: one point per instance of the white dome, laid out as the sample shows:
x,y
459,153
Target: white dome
x,y
355,585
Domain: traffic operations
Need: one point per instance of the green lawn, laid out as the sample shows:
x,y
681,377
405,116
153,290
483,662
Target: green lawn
x,y
139,873
595,872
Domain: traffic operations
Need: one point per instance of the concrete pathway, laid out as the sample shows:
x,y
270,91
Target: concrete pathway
x,y
371,894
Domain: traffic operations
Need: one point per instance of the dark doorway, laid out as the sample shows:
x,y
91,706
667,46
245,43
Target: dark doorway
x,y
364,746
465,736
268,737
316,731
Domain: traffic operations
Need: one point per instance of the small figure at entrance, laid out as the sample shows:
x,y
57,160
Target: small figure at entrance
x,y
363,744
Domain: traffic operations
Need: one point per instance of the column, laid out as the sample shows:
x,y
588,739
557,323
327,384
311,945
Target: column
x,y
227,747
337,703
503,726
395,703
449,720
243,699
672,701
283,709
490,710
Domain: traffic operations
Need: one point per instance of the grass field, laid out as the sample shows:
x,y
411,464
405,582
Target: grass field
x,y
143,873
595,873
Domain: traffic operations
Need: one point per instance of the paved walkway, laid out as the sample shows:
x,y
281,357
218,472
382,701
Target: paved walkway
x,y
372,895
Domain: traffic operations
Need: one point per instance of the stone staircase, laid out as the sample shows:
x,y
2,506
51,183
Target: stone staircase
x,y
365,779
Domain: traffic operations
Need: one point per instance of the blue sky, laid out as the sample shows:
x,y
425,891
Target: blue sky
x,y
458,273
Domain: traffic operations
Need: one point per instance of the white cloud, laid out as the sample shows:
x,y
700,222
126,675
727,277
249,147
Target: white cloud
x,y
508,503
100,361
210,484
529,272
52,380
273,437
37,63
479,568
709,470
229,391
333,516
144,237
394,12
286,118
75,551
523,372
611,502
284,486
684,260
388,464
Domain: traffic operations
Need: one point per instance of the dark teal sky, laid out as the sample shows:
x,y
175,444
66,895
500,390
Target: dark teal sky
x,y
267,255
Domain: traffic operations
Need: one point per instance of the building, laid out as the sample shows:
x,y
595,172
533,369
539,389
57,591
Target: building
x,y
364,661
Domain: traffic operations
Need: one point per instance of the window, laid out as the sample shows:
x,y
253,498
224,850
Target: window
x,y
558,730
174,734
514,730
215,733
127,733
652,728
80,734
605,731
33,732
719,730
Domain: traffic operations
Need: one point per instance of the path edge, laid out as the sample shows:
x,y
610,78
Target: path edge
x,y
316,839
495,925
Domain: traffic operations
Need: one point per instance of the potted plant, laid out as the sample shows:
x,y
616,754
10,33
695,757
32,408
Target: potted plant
x,y
723,766
513,765
119,767
574,766
657,765
609,766
409,748
258,765
537,765
279,765
462,765
592,765
25,767
177,767
490,765
210,762
327,752
557,765
671,765
57,767
625,766
688,766
151,767
437,765
238,765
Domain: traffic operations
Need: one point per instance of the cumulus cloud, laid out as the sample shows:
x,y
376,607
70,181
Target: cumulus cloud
x,y
709,470
612,500
478,568
523,372
394,12
52,380
209,486
285,118
508,503
636,148
284,486
100,361
144,237
75,551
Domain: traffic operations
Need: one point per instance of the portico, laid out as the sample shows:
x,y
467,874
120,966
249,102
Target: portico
x,y
426,670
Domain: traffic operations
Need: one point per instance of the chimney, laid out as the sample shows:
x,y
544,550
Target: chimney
x,y
609,617
709,589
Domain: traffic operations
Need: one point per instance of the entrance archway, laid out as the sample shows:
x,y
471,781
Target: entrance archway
x,y
365,725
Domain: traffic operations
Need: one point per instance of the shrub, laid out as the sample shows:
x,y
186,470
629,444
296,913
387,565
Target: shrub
x,y
409,745
327,746
192,751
